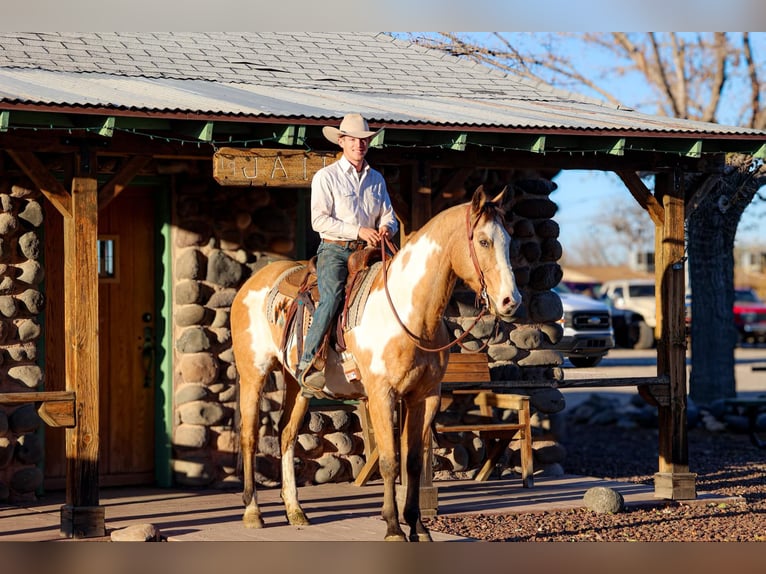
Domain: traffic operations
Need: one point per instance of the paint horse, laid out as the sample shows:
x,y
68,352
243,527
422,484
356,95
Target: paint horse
x,y
400,345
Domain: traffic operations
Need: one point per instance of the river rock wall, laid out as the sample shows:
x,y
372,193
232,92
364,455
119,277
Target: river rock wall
x,y
21,307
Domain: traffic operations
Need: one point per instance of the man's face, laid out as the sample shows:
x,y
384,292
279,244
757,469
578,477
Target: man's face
x,y
354,148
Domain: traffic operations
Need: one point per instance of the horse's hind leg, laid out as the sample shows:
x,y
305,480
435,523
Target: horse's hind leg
x,y
295,406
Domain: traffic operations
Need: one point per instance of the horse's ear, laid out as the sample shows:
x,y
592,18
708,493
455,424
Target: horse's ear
x,y
501,199
478,200
507,199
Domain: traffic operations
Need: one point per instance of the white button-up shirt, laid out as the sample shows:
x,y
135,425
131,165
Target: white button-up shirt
x,y
343,200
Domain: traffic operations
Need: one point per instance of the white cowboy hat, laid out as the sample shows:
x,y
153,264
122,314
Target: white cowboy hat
x,y
353,125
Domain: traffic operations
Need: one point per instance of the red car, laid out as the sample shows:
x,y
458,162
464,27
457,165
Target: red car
x,y
749,316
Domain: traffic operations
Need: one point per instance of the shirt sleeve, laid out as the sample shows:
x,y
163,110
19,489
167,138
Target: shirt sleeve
x,y
323,220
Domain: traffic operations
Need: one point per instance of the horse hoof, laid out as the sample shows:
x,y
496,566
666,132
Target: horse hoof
x,y
421,537
298,519
395,538
252,521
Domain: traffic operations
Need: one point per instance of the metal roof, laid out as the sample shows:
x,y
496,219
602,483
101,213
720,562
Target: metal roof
x,y
258,76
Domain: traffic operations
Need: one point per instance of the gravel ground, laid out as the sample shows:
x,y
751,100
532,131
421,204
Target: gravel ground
x,y
725,463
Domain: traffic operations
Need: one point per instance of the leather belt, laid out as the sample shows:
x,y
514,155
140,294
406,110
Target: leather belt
x,y
356,244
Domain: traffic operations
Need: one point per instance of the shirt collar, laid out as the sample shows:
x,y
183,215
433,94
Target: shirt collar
x,y
347,167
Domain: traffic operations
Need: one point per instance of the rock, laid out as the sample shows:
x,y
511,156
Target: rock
x,y
193,340
198,368
190,436
201,413
29,449
136,533
24,419
223,270
329,467
26,480
603,500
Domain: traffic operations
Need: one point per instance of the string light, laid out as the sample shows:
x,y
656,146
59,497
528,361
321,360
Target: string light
x,y
229,141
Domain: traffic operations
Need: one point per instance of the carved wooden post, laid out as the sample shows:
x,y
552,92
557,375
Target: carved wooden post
x,y
673,481
82,516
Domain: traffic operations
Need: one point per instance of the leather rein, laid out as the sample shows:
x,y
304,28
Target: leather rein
x,y
385,242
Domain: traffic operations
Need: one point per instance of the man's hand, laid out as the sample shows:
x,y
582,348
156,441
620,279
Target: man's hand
x,y
372,237
369,235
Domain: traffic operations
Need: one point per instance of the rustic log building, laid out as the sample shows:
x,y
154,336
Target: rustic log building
x,y
144,176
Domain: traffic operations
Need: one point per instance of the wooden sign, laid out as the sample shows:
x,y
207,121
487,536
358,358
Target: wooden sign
x,y
268,167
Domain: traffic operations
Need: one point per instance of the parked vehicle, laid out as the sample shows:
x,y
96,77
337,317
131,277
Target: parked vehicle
x,y
749,316
636,296
588,333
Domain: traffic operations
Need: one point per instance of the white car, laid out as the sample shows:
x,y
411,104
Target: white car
x,y
638,296
588,333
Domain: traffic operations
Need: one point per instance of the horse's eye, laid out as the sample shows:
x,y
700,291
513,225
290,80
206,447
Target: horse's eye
x,y
484,243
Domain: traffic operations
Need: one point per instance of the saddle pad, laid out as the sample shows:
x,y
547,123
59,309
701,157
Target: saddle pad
x,y
356,307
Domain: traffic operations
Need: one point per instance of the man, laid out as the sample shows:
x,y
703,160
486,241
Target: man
x,y
350,208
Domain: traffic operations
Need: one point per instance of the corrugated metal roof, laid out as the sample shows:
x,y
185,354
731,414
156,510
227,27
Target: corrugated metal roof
x,y
314,76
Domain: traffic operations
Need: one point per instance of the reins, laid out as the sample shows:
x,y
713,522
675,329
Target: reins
x,y
385,242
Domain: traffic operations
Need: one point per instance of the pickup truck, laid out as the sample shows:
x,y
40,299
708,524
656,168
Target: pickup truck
x,y
638,297
588,334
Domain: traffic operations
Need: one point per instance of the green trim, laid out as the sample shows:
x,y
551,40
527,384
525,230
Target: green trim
x,y
5,118
459,142
539,145
163,405
695,150
378,139
107,128
618,148
291,135
760,153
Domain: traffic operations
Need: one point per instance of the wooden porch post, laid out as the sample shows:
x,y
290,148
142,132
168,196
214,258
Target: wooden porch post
x,y
673,481
82,516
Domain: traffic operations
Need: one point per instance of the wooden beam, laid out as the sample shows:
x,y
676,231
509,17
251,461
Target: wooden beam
x,y
673,480
81,516
642,195
121,179
43,179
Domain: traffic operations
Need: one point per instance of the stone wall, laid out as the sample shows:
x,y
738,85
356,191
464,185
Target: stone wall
x,y
21,308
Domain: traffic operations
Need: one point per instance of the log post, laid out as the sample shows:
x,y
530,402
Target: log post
x,y
82,516
673,481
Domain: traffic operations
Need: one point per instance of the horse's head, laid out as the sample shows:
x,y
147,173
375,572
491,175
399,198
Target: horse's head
x,y
489,247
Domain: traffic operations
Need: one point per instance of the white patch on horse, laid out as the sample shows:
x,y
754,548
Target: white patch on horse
x,y
501,240
258,328
378,325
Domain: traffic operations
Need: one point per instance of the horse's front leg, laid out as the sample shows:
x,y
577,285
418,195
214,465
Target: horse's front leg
x,y
250,386
381,407
419,416
295,406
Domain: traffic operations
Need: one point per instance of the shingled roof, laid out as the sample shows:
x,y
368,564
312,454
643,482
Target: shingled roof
x,y
313,76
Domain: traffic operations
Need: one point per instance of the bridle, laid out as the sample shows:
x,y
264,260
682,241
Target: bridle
x,y
483,296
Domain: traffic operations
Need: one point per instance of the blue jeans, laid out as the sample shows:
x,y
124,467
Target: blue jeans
x,y
332,271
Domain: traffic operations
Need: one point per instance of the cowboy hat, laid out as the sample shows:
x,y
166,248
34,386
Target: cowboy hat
x,y
353,125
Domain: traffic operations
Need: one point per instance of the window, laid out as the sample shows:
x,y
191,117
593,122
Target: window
x,y
107,258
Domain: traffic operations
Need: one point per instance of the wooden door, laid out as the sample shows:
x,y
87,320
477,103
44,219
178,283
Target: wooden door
x,y
126,338
126,341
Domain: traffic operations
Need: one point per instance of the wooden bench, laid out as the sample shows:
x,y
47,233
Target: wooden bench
x,y
466,378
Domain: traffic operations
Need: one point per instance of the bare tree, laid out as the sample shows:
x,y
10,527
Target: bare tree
x,y
714,77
